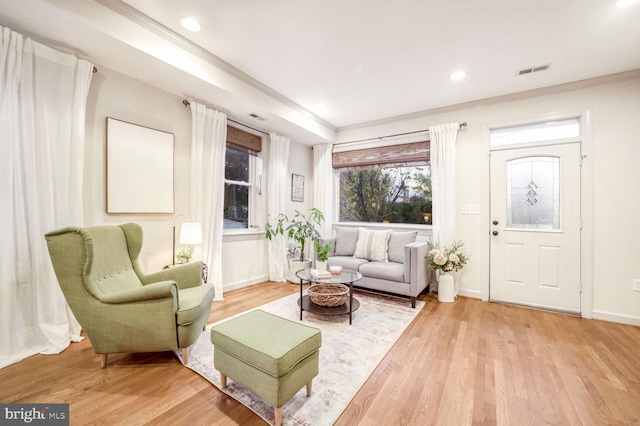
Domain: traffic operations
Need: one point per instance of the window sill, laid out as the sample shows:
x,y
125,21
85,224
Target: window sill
x,y
237,234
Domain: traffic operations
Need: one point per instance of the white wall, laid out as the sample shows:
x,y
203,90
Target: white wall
x,y
615,152
115,95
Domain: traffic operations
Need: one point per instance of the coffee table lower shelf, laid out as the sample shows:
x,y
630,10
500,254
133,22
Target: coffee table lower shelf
x,y
344,309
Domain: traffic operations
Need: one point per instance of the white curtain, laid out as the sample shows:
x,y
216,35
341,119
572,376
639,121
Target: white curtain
x,y
323,184
43,96
277,190
443,182
208,149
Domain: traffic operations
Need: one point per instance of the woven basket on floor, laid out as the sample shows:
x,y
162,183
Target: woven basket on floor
x,y
328,295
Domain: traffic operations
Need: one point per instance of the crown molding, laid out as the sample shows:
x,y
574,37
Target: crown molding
x,y
549,90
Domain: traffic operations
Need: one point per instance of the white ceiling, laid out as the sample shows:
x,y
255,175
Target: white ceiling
x,y
346,62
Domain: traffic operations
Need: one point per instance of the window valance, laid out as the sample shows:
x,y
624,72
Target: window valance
x,y
409,153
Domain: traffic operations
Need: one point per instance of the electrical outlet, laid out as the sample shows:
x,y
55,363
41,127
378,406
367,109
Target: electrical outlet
x,y
636,284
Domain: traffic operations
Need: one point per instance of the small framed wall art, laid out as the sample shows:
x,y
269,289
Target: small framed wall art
x,y
297,187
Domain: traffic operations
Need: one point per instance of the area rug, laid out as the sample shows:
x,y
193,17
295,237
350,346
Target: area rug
x,y
348,356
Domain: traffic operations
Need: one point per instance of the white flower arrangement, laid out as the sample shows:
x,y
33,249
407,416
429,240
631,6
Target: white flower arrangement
x,y
452,258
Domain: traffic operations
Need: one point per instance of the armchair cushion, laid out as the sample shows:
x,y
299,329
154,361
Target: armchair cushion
x,y
194,302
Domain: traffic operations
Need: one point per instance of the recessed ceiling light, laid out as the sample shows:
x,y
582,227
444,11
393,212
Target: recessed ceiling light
x,y
458,75
190,24
623,3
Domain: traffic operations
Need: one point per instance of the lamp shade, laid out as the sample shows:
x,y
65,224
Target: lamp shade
x,y
191,233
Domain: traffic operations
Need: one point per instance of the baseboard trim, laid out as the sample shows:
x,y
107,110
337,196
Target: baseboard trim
x,y
247,283
614,317
475,294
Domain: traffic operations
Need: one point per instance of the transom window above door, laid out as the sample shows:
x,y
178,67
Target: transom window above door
x,y
536,132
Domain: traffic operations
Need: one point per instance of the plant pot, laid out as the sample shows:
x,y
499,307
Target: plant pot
x,y
295,266
446,287
321,265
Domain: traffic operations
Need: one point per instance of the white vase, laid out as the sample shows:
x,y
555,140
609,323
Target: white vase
x,y
295,266
446,287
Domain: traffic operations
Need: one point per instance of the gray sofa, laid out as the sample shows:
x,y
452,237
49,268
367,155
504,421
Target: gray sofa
x,y
389,261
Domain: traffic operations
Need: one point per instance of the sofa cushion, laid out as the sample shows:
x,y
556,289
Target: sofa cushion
x,y
373,245
347,262
390,271
397,241
346,240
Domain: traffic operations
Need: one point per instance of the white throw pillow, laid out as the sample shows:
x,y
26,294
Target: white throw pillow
x,y
373,245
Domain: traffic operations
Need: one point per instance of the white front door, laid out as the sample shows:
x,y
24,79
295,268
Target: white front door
x,y
535,227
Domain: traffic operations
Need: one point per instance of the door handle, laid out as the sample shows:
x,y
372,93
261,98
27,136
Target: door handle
x,y
495,222
495,232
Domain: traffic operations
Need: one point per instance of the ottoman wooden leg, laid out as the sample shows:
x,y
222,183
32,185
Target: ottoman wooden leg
x,y
278,412
223,381
309,388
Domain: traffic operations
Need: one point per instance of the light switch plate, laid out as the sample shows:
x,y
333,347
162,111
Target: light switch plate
x,y
470,209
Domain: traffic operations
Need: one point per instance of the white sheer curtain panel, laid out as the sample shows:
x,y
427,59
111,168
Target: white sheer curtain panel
x,y
323,184
43,96
277,190
443,181
208,150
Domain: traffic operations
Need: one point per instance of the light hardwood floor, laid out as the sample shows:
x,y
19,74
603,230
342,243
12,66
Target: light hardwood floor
x,y
468,362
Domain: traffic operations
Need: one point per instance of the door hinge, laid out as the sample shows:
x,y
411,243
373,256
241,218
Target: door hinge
x,y
582,157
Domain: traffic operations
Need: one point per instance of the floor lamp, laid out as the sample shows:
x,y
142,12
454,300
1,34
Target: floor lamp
x,y
190,234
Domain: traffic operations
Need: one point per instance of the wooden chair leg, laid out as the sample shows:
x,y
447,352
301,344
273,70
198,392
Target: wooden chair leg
x,y
278,414
103,360
223,381
185,356
309,388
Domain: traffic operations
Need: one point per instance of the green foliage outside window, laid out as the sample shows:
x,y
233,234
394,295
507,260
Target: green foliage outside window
x,y
396,195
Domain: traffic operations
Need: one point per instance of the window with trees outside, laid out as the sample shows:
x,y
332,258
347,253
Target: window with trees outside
x,y
240,174
388,184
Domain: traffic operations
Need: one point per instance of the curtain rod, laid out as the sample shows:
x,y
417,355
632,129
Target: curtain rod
x,y
460,126
186,103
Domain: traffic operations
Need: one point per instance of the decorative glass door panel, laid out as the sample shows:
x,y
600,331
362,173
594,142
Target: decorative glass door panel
x,y
533,193
535,226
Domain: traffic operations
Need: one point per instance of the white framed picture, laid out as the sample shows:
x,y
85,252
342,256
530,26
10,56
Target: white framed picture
x,y
297,187
139,169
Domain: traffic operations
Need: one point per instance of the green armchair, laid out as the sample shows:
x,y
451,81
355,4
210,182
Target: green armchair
x,y
121,309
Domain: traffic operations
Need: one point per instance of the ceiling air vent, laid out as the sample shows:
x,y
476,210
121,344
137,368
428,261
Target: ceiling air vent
x,y
534,69
256,116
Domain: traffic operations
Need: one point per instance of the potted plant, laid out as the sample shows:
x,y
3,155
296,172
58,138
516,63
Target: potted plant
x,y
323,255
185,255
301,229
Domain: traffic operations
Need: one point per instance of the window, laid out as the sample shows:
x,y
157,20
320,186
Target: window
x,y
243,170
386,184
236,189
538,132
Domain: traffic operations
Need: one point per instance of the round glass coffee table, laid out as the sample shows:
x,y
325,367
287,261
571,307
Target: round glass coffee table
x,y
346,277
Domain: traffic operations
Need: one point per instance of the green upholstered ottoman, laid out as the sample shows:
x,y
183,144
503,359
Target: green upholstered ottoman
x,y
269,355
